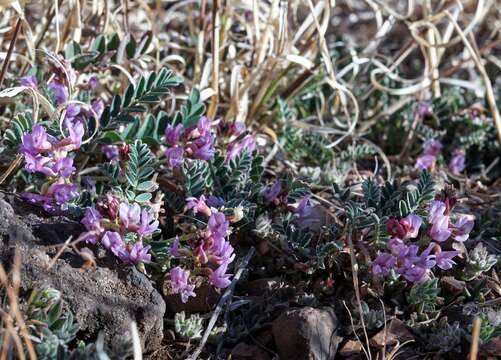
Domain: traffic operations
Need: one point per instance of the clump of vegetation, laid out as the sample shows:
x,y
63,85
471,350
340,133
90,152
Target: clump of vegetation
x,y
267,154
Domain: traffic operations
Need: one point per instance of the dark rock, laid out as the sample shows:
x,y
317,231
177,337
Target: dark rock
x,y
307,334
107,299
245,351
396,331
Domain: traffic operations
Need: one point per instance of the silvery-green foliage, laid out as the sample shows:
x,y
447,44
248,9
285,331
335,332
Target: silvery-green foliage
x,y
479,261
424,296
190,328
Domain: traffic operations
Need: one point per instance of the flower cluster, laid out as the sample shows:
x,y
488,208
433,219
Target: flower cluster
x,y
120,227
194,142
431,151
405,260
208,249
274,194
238,139
46,155
50,156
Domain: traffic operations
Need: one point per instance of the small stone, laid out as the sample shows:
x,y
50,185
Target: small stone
x,y
306,334
396,331
351,347
452,285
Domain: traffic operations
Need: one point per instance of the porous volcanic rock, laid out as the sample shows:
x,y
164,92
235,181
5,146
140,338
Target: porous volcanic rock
x,y
106,299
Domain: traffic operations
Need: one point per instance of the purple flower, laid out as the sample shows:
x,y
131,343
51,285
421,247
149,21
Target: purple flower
x,y
462,228
271,192
198,205
383,264
180,285
407,227
202,148
36,142
29,81
92,219
237,128
426,260
424,109
395,245
139,254
440,230
93,81
223,252
425,162
35,163
411,223
111,152
98,107
173,134
248,143
214,201
59,91
219,278
201,129
304,208
130,215
63,193
416,274
112,240
436,211
148,223
72,110
457,163
63,167
175,156
444,259
432,147
218,225
77,131
174,248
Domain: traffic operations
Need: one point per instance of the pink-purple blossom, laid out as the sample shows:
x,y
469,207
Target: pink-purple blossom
x,y
457,163
383,264
112,240
404,228
59,91
29,81
130,215
444,259
432,147
173,134
271,192
198,205
425,162
180,284
148,224
35,142
138,254
462,228
175,156
219,278
440,230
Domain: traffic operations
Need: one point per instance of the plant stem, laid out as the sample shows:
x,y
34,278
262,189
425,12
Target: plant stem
x,y
9,52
